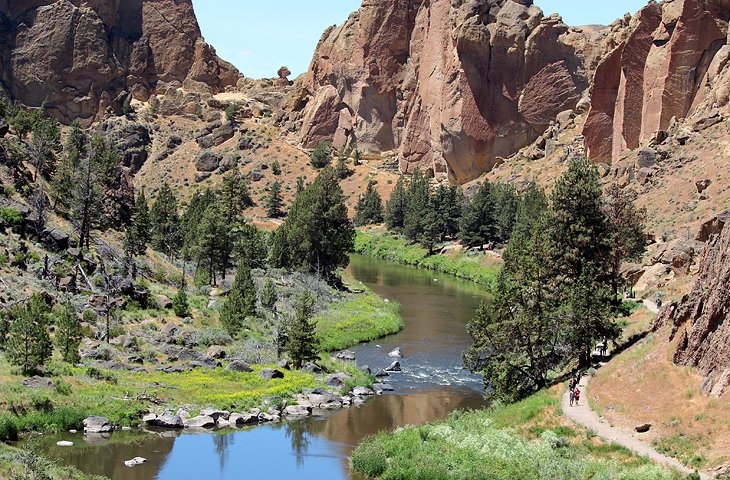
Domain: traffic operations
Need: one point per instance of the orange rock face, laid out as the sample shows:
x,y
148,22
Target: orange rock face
x,y
667,66
447,85
80,55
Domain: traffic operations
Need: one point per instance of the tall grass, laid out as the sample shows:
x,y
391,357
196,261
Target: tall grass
x,y
387,246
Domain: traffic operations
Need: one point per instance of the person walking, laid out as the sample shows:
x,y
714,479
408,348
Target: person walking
x,y
572,393
577,396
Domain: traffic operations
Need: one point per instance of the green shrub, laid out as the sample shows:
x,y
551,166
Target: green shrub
x,y
12,217
8,429
321,156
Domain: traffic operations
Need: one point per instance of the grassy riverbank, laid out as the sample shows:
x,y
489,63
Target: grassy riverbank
x,y
527,440
378,243
26,464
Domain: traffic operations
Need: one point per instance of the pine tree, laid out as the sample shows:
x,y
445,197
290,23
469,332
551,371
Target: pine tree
x,y
276,168
300,185
68,333
241,302
580,251
268,295
165,223
251,247
627,238
478,223
29,344
343,171
44,145
506,202
180,304
417,207
302,345
274,201
235,194
75,149
191,220
211,250
86,203
318,235
140,225
395,210
369,208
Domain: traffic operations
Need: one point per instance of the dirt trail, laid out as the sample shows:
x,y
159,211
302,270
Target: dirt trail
x,y
584,416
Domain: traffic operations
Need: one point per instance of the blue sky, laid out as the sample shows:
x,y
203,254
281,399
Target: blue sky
x,y
259,36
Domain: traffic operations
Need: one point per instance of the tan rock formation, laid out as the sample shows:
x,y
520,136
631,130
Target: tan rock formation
x,y
80,55
448,85
702,319
669,61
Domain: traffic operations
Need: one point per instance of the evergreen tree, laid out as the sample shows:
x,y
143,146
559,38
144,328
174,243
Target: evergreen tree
x,y
165,223
75,149
302,345
211,250
251,247
318,235
29,344
68,333
241,302
417,207
235,194
300,185
395,210
86,202
180,304
343,171
627,238
580,251
478,223
44,145
141,223
268,295
506,202
369,208
274,201
321,156
191,220
276,168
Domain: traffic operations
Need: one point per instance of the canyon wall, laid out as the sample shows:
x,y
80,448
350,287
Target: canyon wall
x,y
443,84
83,57
666,62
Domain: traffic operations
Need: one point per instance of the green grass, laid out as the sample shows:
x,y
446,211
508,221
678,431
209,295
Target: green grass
x,y
27,464
356,319
683,448
525,440
387,246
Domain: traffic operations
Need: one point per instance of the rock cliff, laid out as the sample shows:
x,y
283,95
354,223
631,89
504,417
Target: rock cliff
x,y
701,320
451,85
84,57
668,61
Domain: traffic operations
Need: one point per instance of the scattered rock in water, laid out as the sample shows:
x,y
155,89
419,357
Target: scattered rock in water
x,y
166,420
396,353
242,419
296,411
347,355
337,379
135,461
97,425
643,428
215,414
325,400
202,421
362,392
382,387
65,443
393,367
382,373
270,373
239,366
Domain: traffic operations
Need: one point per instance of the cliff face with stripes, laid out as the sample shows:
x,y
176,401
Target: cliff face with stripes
x,y
445,85
85,57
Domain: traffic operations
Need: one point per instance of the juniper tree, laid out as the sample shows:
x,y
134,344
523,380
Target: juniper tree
x,y
74,150
268,296
165,222
506,202
251,247
369,208
300,185
321,156
180,304
302,344
318,236
417,207
68,333
29,343
395,210
274,201
213,248
240,303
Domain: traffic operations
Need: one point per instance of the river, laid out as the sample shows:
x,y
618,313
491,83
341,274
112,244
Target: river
x,y
435,309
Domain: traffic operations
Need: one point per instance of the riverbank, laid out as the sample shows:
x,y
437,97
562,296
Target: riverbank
x,y
526,440
379,243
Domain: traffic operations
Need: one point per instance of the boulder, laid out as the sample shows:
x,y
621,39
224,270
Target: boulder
x,y
382,373
348,355
208,161
713,227
166,420
270,373
312,368
396,353
239,419
239,366
206,362
393,367
163,302
382,387
643,428
38,382
215,414
362,392
284,364
135,461
55,239
97,425
217,352
703,185
222,134
337,379
202,421
296,411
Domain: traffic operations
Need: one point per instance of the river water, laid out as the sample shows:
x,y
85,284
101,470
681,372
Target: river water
x,y
435,309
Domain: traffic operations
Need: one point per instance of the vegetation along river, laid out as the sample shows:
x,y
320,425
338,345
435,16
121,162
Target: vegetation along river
x,y
435,309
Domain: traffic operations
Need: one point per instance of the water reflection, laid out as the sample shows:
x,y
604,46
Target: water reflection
x,y
433,384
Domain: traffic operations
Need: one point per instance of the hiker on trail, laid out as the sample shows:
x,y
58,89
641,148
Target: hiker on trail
x,y
572,393
577,396
604,347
